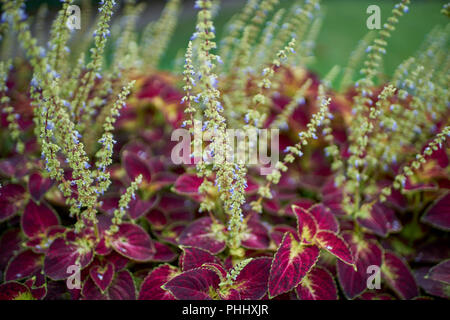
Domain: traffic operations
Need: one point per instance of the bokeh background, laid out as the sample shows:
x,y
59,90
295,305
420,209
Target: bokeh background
x,y
344,25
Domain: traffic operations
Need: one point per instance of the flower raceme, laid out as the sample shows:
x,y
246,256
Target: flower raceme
x,y
243,146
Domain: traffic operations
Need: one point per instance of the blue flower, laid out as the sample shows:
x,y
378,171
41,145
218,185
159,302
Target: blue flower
x,y
34,82
214,81
394,126
301,100
41,52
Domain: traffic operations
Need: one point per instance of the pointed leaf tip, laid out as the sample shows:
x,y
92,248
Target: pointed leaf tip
x,y
291,263
306,224
335,245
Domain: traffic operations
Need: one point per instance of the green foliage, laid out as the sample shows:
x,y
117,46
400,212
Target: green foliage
x,y
65,103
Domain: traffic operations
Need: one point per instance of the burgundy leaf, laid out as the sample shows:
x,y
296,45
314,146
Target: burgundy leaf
x,y
335,245
163,179
192,258
381,220
411,186
134,166
25,264
171,233
133,242
14,166
231,294
119,261
188,184
439,214
109,204
324,218
15,291
433,251
441,272
305,204
272,206
332,198
38,186
256,236
41,243
151,286
9,243
38,292
252,186
252,281
156,218
195,284
138,147
163,253
37,218
277,233
57,290
180,215
433,287
11,200
354,282
306,224
102,248
122,287
318,284
217,268
398,275
102,275
138,207
200,234
440,155
291,263
62,254
91,291
171,201
397,199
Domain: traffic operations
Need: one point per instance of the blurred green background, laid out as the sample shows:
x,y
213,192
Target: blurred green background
x,y
344,25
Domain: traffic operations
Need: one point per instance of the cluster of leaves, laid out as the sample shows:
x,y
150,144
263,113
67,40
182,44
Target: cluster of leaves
x,y
87,179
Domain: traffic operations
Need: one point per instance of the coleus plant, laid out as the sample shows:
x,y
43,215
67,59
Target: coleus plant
x,y
92,206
